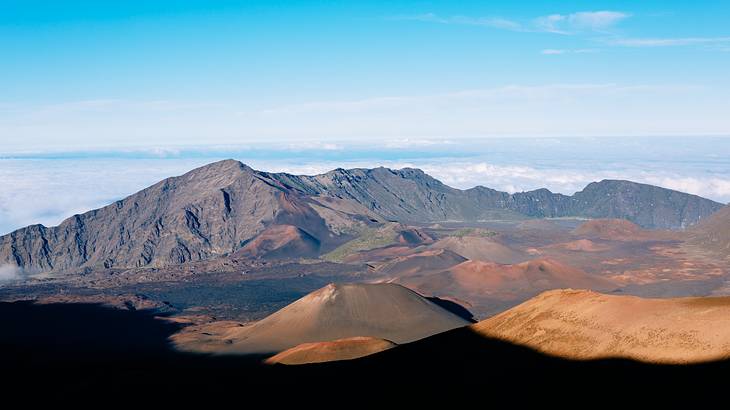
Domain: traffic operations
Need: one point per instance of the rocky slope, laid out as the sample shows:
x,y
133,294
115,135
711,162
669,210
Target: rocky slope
x,y
210,211
219,208
410,195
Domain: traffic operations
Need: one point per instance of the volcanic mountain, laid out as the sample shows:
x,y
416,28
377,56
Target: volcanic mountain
x,y
581,324
417,263
612,229
489,286
385,311
210,211
480,248
410,195
220,208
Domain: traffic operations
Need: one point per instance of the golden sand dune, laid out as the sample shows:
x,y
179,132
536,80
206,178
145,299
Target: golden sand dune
x,y
386,311
341,349
582,324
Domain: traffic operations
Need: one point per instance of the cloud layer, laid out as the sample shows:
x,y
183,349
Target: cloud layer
x,y
9,273
49,189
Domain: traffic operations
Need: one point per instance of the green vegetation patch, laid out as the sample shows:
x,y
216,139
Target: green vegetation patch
x,y
369,238
484,233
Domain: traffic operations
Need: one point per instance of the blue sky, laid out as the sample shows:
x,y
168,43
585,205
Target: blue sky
x,y
88,73
99,99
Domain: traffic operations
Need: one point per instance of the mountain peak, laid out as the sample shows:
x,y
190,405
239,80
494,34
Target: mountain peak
x,y
226,165
381,310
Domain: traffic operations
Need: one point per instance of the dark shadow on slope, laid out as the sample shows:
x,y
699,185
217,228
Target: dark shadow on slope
x,y
84,351
453,307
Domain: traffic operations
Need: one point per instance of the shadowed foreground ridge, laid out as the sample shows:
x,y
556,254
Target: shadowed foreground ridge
x,y
88,350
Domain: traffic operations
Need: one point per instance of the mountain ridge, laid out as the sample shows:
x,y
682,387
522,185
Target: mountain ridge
x,y
215,209
411,195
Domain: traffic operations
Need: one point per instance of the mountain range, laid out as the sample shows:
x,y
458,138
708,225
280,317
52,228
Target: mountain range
x,y
228,207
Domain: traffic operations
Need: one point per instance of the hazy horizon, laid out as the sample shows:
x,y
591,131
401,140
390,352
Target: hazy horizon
x,y
47,187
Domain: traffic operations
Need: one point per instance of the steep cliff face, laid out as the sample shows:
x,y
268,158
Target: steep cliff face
x,y
404,195
646,205
207,212
409,195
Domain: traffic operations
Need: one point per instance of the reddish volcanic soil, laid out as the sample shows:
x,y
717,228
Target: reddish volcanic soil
x,y
341,349
480,248
485,285
616,230
431,260
386,311
581,245
712,235
582,324
413,236
282,241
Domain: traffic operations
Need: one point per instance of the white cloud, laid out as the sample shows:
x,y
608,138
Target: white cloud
x,y
552,51
553,23
596,20
494,22
712,187
313,145
513,178
667,42
416,142
562,51
50,190
9,272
